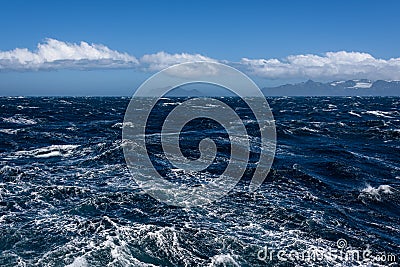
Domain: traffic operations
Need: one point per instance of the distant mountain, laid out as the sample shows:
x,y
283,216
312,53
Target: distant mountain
x,y
181,92
198,90
361,87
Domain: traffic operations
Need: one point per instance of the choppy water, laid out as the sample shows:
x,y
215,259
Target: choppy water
x,y
67,197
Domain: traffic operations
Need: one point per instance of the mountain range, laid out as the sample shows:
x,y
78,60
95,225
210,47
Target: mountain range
x,y
361,87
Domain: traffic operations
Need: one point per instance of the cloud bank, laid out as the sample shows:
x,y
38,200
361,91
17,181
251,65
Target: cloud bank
x,y
54,54
331,65
162,60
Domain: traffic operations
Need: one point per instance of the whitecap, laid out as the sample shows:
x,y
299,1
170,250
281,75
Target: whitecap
x,y
78,262
309,129
9,131
354,114
117,125
224,260
49,151
379,113
20,120
376,193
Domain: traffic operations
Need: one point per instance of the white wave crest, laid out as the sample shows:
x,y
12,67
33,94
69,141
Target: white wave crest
x,y
49,151
376,193
19,120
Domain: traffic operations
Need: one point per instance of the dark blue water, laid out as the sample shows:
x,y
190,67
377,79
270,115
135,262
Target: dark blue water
x,y
67,197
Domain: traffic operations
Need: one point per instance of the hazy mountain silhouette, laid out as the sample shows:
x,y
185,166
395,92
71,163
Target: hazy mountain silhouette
x,y
361,87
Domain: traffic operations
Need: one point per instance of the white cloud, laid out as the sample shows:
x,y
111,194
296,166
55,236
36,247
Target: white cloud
x,y
54,54
161,60
330,66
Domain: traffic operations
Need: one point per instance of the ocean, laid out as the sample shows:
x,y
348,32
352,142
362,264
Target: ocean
x,y
331,198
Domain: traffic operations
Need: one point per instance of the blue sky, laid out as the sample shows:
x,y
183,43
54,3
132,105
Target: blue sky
x,y
273,42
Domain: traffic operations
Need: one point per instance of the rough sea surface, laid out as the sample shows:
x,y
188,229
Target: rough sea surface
x,y
68,199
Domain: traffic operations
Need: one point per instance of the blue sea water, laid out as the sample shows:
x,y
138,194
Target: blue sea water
x,y
68,199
